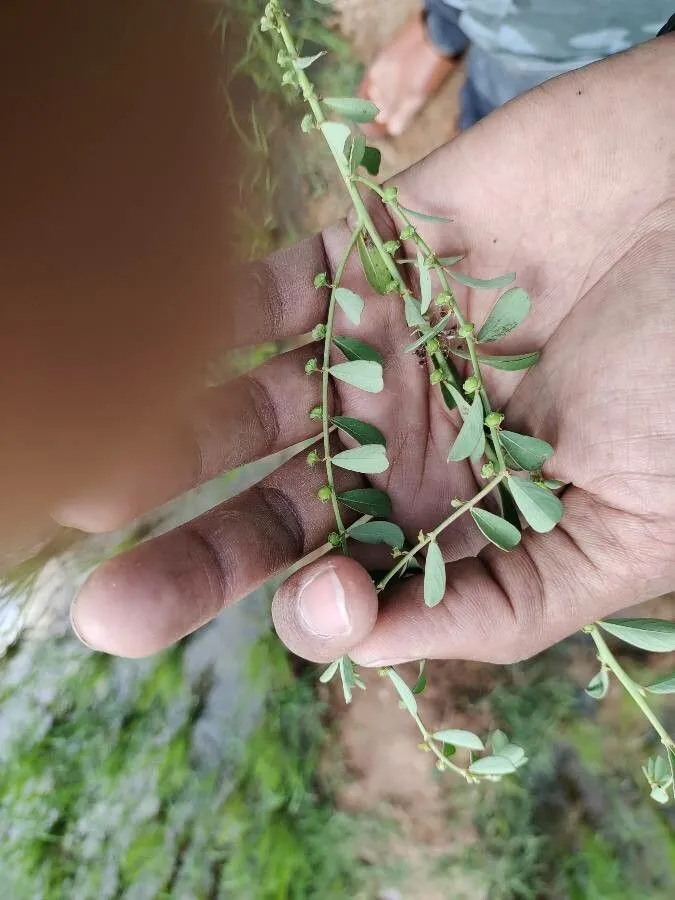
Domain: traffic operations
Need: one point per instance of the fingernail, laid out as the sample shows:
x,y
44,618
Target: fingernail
x,y
322,606
76,627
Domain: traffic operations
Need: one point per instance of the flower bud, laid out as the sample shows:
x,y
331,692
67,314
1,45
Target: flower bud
x,y
466,330
433,346
319,332
307,123
334,539
494,419
488,470
443,299
311,366
471,385
324,494
391,246
312,458
390,194
408,233
320,280
436,376
316,413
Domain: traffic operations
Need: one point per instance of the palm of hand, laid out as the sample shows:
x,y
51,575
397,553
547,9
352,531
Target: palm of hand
x,y
601,395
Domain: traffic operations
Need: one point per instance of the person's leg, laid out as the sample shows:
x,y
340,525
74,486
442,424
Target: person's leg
x,y
411,68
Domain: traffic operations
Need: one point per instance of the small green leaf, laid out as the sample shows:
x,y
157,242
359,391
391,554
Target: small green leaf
x,y
470,432
527,452
482,284
598,685
336,136
434,575
461,402
378,533
350,303
431,333
425,217
498,740
349,680
369,459
421,682
656,635
354,349
492,765
660,794
374,267
404,692
352,108
448,399
509,508
507,363
663,685
363,374
360,431
495,529
368,501
479,449
371,160
449,260
413,316
541,509
425,284
460,738
357,148
661,769
304,62
328,673
507,313
515,753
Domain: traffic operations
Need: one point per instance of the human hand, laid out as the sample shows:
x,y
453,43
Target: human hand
x,y
570,186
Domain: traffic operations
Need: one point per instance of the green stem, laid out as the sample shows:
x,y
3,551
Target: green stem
x,y
635,691
325,381
433,535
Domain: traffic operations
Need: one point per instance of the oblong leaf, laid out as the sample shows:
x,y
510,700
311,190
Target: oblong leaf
x,y
509,508
360,431
470,432
368,501
449,260
663,685
527,452
598,685
374,267
512,363
479,449
378,532
425,284
498,740
328,673
460,738
372,157
413,316
657,635
352,108
404,692
369,459
362,373
431,333
482,284
304,62
541,509
357,148
350,303
354,349
497,530
507,313
425,217
434,575
492,765
336,135
460,400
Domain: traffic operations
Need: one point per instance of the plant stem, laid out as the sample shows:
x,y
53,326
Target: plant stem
x,y
432,535
608,660
325,381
